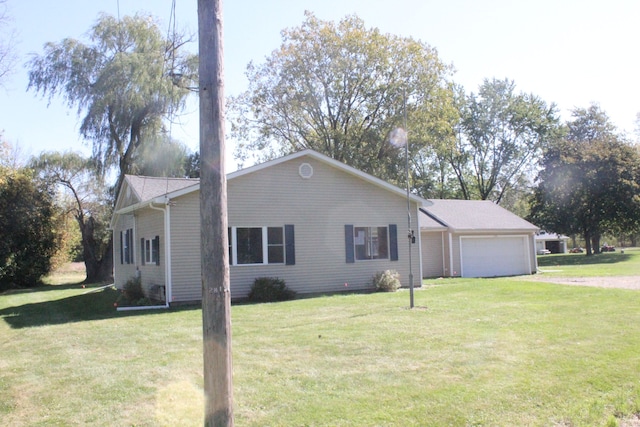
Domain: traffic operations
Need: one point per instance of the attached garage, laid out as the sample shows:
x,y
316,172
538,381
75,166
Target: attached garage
x,y
489,256
475,238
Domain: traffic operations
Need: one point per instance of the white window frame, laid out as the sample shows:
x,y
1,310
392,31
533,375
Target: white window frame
x,y
149,256
369,242
265,246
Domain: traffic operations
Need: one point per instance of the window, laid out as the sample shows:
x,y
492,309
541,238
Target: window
x,y
150,251
367,243
371,243
126,247
261,245
275,245
249,246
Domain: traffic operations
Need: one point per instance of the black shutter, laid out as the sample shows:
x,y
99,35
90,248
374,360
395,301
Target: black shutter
x,y
156,249
121,249
393,242
142,251
132,260
348,243
290,245
127,248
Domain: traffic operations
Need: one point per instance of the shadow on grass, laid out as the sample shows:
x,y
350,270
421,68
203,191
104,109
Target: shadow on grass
x,y
582,259
44,287
96,305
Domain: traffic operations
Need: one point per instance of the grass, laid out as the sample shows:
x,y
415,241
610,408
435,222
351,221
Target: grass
x,y
604,264
481,352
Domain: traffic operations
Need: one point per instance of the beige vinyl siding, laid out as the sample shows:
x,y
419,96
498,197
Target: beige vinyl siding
x,y
456,266
319,208
185,248
150,224
433,254
128,197
533,259
124,271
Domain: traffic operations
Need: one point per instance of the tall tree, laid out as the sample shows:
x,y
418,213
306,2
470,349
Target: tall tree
x,y
339,88
27,229
161,156
89,203
192,165
124,83
500,134
590,181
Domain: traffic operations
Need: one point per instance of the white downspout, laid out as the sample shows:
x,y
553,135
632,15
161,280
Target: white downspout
x,y
419,246
450,255
113,254
444,257
532,237
167,249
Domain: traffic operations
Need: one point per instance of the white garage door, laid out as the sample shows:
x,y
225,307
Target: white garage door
x,y
494,256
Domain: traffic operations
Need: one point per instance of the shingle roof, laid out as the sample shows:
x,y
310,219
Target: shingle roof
x,y
476,215
147,187
428,222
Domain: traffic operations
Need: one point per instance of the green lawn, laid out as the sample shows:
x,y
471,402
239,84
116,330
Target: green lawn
x,y
625,262
483,352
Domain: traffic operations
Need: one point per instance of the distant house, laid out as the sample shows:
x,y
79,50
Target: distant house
x,y
475,238
319,224
551,243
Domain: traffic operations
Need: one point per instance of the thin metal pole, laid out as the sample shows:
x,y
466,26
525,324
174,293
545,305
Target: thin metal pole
x,y
409,232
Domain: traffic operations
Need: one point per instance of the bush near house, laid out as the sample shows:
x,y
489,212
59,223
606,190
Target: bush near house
x,y
270,289
132,294
387,281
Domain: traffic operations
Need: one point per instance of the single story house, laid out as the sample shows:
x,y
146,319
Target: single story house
x,y
551,242
316,223
475,238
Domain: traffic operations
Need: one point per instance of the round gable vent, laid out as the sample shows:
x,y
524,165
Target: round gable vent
x,y
305,170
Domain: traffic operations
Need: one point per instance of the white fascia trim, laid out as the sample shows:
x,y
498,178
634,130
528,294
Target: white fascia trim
x,y
492,231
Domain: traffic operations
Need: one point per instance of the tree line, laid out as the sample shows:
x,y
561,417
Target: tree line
x,y
340,88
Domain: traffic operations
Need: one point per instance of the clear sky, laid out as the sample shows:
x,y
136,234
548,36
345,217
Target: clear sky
x,y
570,52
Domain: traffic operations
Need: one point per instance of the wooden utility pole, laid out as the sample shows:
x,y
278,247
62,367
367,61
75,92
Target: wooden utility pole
x,y
216,298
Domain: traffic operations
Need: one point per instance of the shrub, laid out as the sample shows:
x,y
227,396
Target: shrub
x,y
270,289
387,281
132,294
27,227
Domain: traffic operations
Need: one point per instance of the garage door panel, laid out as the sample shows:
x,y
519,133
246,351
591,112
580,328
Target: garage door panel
x,y
493,256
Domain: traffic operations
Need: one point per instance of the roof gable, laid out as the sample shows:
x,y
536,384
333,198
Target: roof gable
x,y
331,162
147,187
145,190
475,215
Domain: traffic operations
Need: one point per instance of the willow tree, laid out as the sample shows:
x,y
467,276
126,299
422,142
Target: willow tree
x,y
124,83
85,197
339,88
7,44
